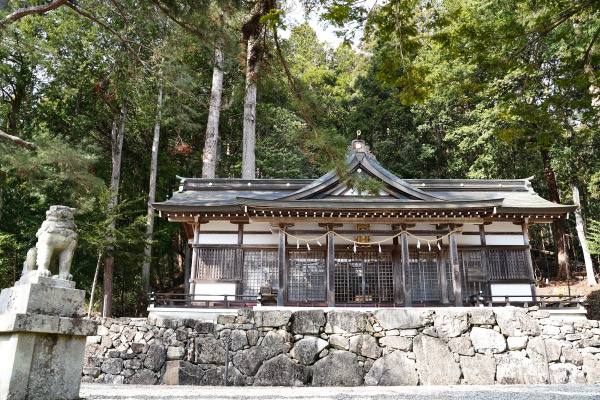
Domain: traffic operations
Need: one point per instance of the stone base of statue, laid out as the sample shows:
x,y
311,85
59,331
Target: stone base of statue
x,y
42,339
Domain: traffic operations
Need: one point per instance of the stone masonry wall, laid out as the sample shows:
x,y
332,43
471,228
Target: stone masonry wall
x,y
478,346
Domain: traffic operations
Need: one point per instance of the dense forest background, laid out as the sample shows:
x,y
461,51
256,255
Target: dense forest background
x,y
92,92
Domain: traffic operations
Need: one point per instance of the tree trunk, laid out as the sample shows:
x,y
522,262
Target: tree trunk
x,y
209,158
589,265
117,150
559,225
152,193
249,130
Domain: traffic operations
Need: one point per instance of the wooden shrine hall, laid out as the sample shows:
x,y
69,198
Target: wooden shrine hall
x,y
304,242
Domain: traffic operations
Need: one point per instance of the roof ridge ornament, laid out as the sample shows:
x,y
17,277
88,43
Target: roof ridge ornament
x,y
359,146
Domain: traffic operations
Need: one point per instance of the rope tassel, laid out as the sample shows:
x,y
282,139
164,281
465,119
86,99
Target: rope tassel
x,y
439,247
355,247
429,244
379,247
319,243
297,244
307,246
418,243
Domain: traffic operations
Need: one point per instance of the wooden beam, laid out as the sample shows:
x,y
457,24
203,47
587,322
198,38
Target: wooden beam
x,y
363,220
330,268
456,279
442,276
406,271
370,232
281,264
239,260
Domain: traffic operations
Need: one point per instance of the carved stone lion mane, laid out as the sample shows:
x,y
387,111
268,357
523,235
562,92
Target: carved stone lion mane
x,y
57,239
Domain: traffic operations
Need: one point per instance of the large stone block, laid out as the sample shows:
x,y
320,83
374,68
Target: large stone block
x,y
308,322
395,369
535,349
462,346
249,361
346,322
435,362
591,366
271,318
281,371
42,340
487,340
565,373
515,322
482,316
478,370
403,318
450,323
513,368
182,373
365,345
338,369
396,342
42,299
156,357
209,351
307,349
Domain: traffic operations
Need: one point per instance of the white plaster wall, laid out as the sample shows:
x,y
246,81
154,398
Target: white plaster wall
x,y
507,289
214,288
467,240
218,226
267,238
217,239
504,240
502,227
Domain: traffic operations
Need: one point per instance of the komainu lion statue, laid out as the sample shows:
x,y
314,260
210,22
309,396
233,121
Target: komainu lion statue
x,y
57,239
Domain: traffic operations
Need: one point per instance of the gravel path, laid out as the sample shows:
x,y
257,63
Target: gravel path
x,y
91,391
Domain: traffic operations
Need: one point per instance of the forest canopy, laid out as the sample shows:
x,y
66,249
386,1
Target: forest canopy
x,y
104,103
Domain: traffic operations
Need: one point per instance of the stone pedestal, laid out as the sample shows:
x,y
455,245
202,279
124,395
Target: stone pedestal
x,y
42,339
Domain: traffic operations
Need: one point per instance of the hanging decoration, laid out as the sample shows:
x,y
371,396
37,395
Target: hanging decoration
x,y
354,242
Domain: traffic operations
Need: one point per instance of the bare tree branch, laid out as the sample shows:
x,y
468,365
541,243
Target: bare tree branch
x,y
25,11
17,140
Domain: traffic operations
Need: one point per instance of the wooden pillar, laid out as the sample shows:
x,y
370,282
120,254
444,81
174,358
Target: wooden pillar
x,y
239,262
442,275
456,279
194,259
397,270
484,259
528,260
406,269
330,270
282,266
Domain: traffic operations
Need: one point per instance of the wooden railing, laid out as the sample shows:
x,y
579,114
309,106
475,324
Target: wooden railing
x,y
201,300
543,301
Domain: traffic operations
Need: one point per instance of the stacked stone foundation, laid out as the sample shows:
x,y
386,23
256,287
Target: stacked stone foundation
x,y
477,346
42,339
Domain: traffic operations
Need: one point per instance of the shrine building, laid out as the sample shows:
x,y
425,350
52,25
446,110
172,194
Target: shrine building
x,y
320,243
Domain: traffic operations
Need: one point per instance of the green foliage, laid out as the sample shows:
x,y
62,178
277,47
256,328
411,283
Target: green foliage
x,y
593,305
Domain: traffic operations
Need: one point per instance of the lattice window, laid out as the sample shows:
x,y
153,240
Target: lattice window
x,y
424,280
216,264
507,264
260,269
306,276
364,277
